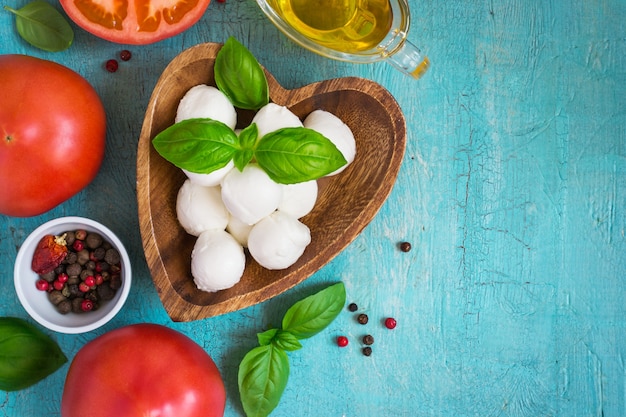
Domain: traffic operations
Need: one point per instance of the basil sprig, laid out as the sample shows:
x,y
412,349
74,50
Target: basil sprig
x,y
27,355
43,26
264,371
240,77
288,156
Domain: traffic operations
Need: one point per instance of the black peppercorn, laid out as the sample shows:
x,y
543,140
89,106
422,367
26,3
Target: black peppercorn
x,y
367,351
50,276
353,307
73,270
405,246
112,256
93,240
76,303
368,339
105,292
82,257
70,237
362,318
56,297
64,306
116,282
99,253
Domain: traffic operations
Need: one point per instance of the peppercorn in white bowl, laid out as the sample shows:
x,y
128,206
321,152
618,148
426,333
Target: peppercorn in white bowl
x,y
97,295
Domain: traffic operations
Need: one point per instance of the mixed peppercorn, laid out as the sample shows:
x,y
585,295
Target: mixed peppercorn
x,y
368,339
78,269
112,64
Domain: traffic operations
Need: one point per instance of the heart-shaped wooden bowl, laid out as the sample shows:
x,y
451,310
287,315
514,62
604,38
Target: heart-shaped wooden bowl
x,y
347,202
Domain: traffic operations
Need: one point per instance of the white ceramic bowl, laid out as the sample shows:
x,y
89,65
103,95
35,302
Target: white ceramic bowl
x,y
36,302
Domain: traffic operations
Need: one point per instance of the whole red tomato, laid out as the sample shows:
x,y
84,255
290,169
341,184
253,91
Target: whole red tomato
x,y
52,134
136,22
143,370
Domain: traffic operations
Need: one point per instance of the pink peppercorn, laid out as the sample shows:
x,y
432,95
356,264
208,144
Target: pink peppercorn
x,y
342,341
390,323
42,285
86,305
111,65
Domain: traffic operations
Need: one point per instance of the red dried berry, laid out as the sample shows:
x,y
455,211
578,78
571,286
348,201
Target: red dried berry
x,y
390,323
82,287
42,285
342,341
99,279
90,281
111,65
86,305
58,285
78,245
62,277
125,55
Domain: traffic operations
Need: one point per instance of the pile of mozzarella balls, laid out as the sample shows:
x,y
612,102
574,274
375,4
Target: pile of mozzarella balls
x,y
229,210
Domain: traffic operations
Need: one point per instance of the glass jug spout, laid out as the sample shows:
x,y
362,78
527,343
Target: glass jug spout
x,y
404,55
409,60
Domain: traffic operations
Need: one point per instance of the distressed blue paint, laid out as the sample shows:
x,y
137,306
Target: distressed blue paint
x,y
512,192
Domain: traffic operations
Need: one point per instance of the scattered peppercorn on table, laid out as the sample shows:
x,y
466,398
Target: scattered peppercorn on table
x,y
491,282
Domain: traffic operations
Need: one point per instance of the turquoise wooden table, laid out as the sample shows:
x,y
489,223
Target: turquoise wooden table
x,y
512,193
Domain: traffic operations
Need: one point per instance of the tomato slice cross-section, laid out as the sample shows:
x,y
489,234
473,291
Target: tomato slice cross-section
x,y
135,22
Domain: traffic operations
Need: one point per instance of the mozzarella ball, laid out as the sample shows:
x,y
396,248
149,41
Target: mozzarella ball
x,y
336,131
298,199
217,261
204,101
272,117
250,194
212,178
278,241
200,208
239,230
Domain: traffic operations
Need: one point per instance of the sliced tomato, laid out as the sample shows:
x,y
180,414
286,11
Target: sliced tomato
x,y
135,22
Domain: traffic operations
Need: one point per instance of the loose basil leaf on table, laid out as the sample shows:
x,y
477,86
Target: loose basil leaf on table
x,y
240,77
264,371
296,154
27,355
43,26
197,145
262,378
313,314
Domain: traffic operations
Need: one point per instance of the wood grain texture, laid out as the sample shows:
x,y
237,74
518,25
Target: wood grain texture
x,y
512,192
346,203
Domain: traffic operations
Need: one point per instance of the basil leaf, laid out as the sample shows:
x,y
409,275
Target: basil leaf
x,y
27,355
286,341
240,77
248,136
43,26
266,337
262,378
247,142
197,145
297,154
311,315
